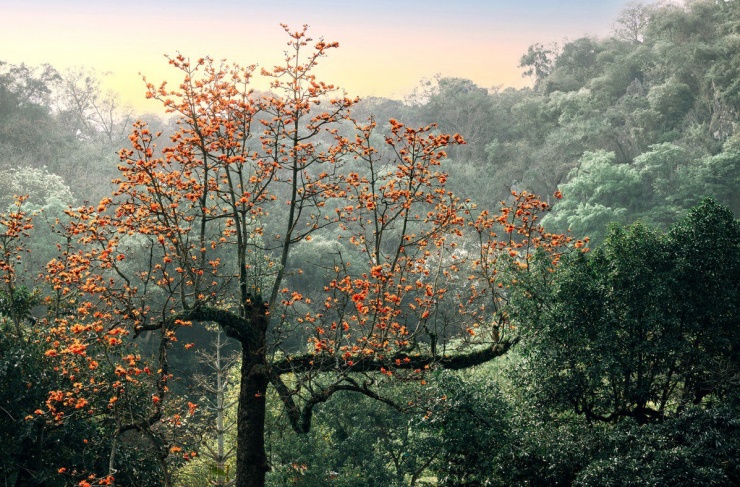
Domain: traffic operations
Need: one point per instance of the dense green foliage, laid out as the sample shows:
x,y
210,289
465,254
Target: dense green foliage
x,y
628,361
631,330
640,335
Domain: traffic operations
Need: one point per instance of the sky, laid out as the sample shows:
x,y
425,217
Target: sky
x,y
386,46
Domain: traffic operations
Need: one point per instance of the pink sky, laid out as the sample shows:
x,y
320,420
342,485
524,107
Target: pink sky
x,y
387,46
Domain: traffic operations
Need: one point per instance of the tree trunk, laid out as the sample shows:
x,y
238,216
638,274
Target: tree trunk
x,y
251,460
221,371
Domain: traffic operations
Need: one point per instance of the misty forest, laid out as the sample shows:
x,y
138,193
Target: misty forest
x,y
293,286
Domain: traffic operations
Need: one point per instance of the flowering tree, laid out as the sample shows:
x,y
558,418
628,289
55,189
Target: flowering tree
x,y
15,300
204,227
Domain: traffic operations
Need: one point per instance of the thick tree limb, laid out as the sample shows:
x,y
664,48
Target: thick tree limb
x,y
233,325
247,330
325,363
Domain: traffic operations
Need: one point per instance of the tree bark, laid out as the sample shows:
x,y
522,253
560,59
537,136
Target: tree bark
x,y
251,460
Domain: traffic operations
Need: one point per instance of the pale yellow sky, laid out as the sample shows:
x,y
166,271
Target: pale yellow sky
x,y
387,47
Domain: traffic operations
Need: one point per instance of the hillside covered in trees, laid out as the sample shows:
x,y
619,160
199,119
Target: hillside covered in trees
x,y
298,287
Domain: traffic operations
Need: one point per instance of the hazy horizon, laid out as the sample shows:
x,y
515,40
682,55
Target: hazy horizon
x,y
385,48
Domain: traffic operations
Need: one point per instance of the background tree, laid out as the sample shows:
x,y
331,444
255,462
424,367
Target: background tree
x,y
538,62
89,112
216,385
632,22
